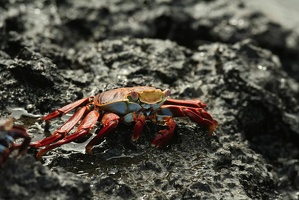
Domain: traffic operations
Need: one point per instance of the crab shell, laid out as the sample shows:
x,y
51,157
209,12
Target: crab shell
x,y
143,99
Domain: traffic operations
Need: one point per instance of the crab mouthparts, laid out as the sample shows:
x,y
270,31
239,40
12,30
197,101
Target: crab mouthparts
x,y
149,109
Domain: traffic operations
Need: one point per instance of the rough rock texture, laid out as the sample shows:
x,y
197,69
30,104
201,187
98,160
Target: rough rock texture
x,y
243,65
26,178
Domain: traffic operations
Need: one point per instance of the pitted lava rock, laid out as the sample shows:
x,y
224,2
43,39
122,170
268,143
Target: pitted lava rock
x,y
26,178
243,65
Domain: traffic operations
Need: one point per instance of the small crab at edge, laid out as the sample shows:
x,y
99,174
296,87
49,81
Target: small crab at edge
x,y
8,133
130,104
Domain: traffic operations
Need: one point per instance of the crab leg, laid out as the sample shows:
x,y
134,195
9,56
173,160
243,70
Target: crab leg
x,y
63,130
20,132
109,122
66,109
197,115
196,103
164,135
83,129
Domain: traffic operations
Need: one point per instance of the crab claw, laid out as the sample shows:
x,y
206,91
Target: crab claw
x,y
196,114
110,122
164,135
203,118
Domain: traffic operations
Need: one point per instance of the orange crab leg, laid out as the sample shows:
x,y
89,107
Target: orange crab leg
x,y
164,135
83,129
63,130
197,115
66,109
196,103
109,121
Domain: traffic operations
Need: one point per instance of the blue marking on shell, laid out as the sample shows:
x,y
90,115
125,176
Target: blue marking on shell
x,y
122,107
117,107
166,111
152,107
134,107
2,148
146,106
128,118
9,139
157,106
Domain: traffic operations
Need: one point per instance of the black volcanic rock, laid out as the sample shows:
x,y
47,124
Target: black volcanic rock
x,y
242,64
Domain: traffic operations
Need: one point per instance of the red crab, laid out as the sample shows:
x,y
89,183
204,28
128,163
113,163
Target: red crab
x,y
8,133
131,104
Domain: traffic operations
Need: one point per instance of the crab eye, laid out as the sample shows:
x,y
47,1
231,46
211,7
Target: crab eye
x,y
134,95
167,92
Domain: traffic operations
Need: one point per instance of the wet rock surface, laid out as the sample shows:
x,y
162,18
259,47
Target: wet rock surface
x,y
240,63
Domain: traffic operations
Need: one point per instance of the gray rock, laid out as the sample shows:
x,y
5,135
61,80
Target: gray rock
x,y
233,57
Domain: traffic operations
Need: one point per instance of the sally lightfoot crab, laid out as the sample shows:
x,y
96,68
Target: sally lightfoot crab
x,y
8,133
131,104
